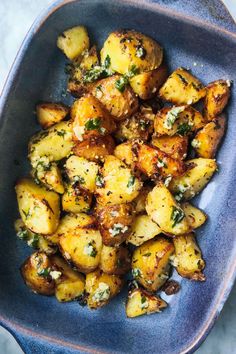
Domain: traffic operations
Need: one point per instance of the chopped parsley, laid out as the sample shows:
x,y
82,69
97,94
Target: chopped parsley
x,y
161,163
172,116
34,241
23,234
123,81
177,215
107,62
117,229
136,272
79,179
144,302
144,124
184,128
94,74
99,181
93,124
61,132
45,272
131,181
90,249
102,293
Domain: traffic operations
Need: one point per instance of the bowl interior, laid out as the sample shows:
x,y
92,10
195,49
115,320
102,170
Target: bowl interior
x,y
41,77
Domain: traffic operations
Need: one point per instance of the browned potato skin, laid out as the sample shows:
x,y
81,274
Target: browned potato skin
x,y
76,199
37,262
151,259
49,114
88,108
182,87
135,127
109,216
147,84
208,139
121,105
95,148
115,260
126,152
189,115
79,88
149,157
217,96
176,146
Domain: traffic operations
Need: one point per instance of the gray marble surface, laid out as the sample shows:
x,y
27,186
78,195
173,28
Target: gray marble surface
x,y
16,16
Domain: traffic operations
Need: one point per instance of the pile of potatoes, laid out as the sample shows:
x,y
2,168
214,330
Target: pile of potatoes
x,y
113,175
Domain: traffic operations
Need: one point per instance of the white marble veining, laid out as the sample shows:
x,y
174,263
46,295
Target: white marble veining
x,y
16,16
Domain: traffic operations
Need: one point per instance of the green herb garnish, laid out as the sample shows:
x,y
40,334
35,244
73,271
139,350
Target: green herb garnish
x,y
44,272
93,124
131,181
99,181
23,234
184,129
61,132
177,215
107,62
79,179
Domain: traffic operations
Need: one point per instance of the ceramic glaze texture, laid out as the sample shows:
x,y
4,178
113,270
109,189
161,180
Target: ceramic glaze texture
x,y
40,76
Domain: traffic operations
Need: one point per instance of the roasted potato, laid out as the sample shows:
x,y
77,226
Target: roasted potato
x,y
115,260
120,104
82,171
95,148
33,240
180,120
76,199
126,153
117,184
55,143
188,259
135,127
69,283
127,49
195,216
82,247
73,42
217,96
157,164
114,223
208,139
140,302
163,209
36,274
90,118
69,224
194,180
147,84
101,287
142,230
151,263
181,87
89,59
49,174
139,202
49,114
176,146
38,207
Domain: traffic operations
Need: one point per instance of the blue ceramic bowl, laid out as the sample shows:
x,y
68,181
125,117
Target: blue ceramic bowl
x,y
190,31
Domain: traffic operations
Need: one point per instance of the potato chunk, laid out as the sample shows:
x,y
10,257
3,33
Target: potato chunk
x,y
188,259
195,179
163,209
82,171
139,203
76,199
39,208
36,274
69,224
69,283
49,174
181,87
142,230
55,143
49,114
121,104
101,288
147,84
115,260
180,120
127,49
176,146
90,118
140,302
208,139
117,184
155,163
217,96
195,216
73,42
150,263
82,247
95,148
125,153
114,223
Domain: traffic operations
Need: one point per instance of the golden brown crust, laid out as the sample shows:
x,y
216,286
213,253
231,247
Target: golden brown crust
x,y
95,148
217,96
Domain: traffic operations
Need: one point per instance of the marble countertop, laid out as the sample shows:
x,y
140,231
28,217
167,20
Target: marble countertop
x,y
16,16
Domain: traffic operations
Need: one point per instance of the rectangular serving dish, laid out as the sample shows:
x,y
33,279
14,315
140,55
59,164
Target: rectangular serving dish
x,y
41,324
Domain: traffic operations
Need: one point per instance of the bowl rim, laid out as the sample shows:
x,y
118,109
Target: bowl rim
x,y
16,329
